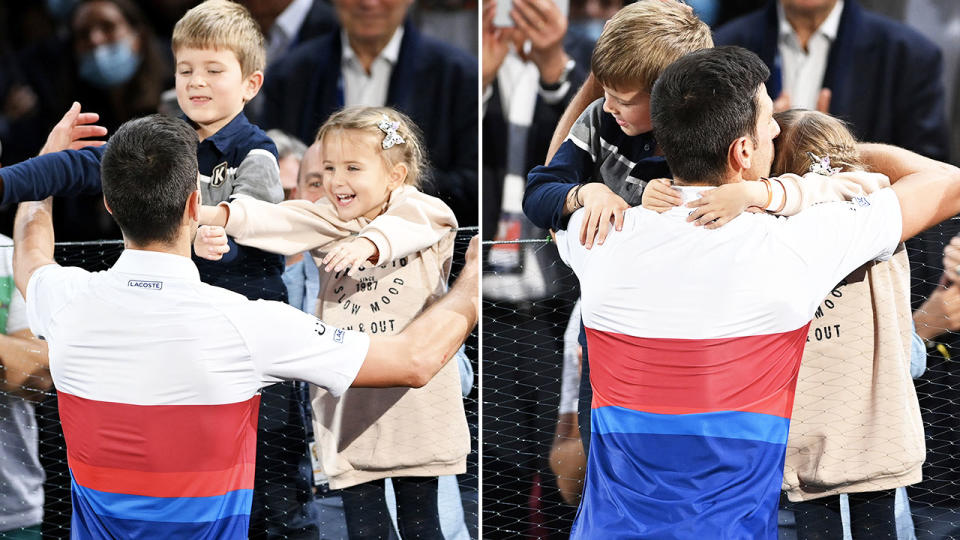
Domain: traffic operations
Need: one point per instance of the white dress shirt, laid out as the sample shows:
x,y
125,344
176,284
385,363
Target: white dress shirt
x,y
803,70
368,89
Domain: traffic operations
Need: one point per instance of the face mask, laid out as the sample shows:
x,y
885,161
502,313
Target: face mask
x,y
588,28
110,64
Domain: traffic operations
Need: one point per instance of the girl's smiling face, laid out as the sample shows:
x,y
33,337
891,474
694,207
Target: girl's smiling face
x,y
356,178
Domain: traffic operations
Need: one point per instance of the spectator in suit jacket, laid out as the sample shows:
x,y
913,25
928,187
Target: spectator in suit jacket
x,y
376,58
287,23
884,78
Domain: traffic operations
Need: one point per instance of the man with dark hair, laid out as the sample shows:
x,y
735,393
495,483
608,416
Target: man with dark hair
x,y
159,375
149,172
696,335
698,116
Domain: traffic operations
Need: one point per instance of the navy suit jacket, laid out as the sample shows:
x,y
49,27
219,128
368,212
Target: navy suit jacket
x,y
886,78
433,83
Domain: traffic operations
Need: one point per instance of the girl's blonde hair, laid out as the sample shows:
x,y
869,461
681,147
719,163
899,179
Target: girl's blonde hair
x,y
410,152
803,131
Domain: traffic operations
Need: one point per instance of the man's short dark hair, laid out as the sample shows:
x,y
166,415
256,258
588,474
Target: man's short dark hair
x,y
701,104
148,171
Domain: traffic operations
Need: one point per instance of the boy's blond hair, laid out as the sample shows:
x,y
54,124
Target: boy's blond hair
x,y
410,152
221,24
803,131
644,38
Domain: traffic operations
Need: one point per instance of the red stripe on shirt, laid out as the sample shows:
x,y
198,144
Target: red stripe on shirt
x,y
163,484
683,376
159,438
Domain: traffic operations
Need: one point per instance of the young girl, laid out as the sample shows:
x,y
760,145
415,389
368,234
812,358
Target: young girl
x,y
856,426
387,248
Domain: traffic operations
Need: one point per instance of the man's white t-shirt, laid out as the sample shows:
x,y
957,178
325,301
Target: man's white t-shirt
x,y
695,338
158,378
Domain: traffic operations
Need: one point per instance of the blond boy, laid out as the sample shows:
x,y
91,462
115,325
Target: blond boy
x,y
610,152
220,57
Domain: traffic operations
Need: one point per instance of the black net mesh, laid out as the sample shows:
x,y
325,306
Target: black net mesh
x,y
533,460
286,502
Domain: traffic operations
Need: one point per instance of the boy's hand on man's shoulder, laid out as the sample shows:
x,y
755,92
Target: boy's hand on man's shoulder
x,y
602,206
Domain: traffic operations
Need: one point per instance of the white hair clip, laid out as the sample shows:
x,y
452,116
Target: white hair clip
x,y
390,128
821,165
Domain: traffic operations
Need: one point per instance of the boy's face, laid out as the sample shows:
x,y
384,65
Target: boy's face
x,y
631,109
211,89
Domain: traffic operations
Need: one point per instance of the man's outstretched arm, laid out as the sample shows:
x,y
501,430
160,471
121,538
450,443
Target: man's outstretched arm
x,y
54,173
414,356
928,190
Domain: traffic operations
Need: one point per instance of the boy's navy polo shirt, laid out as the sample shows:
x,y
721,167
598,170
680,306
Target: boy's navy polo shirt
x,y
240,160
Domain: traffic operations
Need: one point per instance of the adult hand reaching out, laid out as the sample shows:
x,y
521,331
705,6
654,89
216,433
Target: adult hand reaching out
x,y
72,129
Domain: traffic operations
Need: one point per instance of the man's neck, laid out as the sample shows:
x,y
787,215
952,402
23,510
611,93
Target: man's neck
x,y
179,247
806,22
728,179
367,50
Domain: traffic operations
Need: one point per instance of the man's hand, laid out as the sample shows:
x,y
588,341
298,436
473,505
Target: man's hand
x,y
601,206
495,43
211,243
473,255
940,313
951,260
71,129
542,22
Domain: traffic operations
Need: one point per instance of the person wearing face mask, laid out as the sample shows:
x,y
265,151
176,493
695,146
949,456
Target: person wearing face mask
x,y
111,62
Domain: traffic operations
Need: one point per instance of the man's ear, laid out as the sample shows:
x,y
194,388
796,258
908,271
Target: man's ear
x,y
193,205
251,86
107,206
740,154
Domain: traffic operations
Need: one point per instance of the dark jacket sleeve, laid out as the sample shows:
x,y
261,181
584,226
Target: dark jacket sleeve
x,y
61,174
548,185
